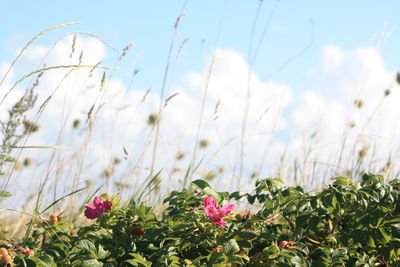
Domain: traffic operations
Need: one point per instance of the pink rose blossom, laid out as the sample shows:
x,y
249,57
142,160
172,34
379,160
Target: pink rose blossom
x,y
215,213
96,211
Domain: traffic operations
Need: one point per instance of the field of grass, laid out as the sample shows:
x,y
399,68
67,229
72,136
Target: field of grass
x,y
56,158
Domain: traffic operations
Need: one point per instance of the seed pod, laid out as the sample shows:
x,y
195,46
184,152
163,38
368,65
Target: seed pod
x,y
3,251
283,243
53,219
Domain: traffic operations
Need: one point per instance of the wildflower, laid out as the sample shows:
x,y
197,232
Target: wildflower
x,y
215,213
97,210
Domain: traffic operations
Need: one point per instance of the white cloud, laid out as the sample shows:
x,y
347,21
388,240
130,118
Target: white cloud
x,y
273,115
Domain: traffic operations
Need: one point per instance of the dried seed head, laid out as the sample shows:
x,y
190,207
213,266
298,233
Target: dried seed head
x,y
179,155
153,119
107,172
103,81
351,124
209,176
387,92
30,127
76,123
27,162
125,50
255,174
204,143
176,169
117,161
398,77
121,185
73,46
363,152
88,183
358,103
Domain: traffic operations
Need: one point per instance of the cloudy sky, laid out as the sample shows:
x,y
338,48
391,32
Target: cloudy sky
x,y
271,85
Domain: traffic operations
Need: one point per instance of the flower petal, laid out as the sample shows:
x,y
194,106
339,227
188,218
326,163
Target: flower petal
x,y
98,203
90,212
221,223
209,201
212,213
226,209
107,205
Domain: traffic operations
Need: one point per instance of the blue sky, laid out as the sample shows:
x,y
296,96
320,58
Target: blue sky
x,y
337,52
348,24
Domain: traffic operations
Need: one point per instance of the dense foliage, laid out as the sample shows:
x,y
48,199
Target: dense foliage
x,y
342,225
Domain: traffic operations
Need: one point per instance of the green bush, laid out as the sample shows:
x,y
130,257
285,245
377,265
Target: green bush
x,y
342,225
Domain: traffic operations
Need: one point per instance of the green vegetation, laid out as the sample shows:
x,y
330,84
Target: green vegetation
x,y
341,225
344,223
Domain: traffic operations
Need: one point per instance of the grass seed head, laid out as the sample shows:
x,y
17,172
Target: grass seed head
x,y
204,143
27,162
153,119
358,103
76,123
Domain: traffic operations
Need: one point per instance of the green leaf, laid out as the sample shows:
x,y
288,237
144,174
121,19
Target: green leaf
x,y
138,259
302,220
343,181
47,260
247,235
393,220
385,234
271,252
371,242
101,253
88,246
214,257
207,189
231,247
91,263
201,184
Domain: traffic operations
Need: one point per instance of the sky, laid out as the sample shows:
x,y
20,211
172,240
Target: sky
x,y
305,64
149,25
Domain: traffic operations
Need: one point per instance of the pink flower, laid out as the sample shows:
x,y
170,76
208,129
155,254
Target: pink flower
x,y
215,213
97,210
